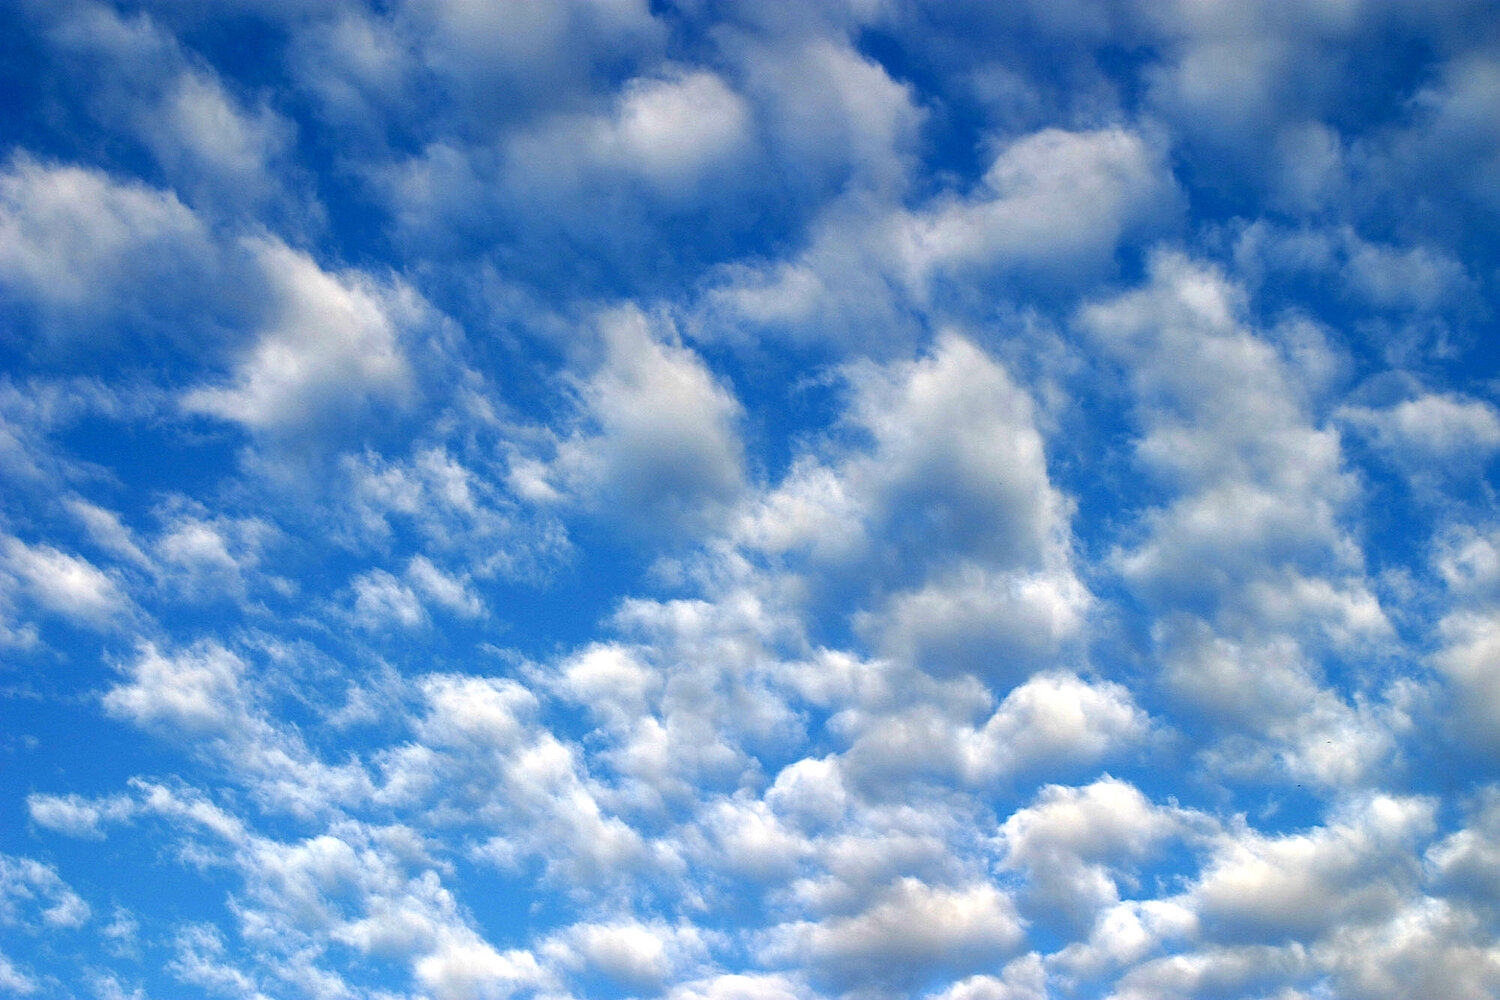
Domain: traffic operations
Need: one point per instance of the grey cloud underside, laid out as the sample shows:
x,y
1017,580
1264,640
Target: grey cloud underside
x,y
706,532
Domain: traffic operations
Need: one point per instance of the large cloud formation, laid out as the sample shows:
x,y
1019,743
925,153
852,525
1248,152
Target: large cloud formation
x,y
749,501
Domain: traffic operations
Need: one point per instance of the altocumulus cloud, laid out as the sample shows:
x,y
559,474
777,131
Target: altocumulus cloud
x,y
749,501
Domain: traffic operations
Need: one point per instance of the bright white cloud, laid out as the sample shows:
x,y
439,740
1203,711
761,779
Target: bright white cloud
x,y
659,446
913,930
84,248
1433,432
61,583
197,693
1052,208
330,350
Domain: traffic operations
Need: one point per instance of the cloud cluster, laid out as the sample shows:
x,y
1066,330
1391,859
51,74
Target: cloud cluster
x,y
828,501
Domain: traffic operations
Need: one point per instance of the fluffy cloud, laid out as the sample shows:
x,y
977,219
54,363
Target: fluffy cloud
x,y
672,133
1075,844
912,931
659,437
866,264
83,249
1433,432
31,891
331,348
60,583
1356,870
197,694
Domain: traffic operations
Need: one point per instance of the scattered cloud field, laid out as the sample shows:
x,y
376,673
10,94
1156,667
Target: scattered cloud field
x,y
731,500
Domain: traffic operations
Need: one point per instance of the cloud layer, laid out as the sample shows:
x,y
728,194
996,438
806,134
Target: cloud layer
x,y
829,501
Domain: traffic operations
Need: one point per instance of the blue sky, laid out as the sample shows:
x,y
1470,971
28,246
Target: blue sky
x,y
749,501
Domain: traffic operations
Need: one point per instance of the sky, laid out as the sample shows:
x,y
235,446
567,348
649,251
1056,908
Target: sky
x,y
729,500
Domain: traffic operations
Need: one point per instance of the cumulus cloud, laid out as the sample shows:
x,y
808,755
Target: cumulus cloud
x,y
226,151
1252,552
1077,844
197,694
83,249
33,894
330,349
913,930
1104,183
953,489
1356,870
630,953
672,133
60,583
866,264
659,437
1432,434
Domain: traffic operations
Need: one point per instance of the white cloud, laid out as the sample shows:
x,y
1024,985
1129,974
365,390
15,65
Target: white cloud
x,y
1469,563
34,896
1022,979
634,955
1250,564
107,531
1467,636
204,136
1470,661
381,601
1405,278
1466,863
196,693
443,589
811,792
1357,870
911,932
76,815
659,447
85,249
523,785
61,583
741,986
747,839
1437,433
15,979
332,349
200,961
996,625
1053,207
1056,720
1428,947
741,495
1124,934
1450,137
610,683
832,114
533,51
466,520
359,68
1053,202
465,967
225,153
1075,844
957,466
1236,971
675,133
205,557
